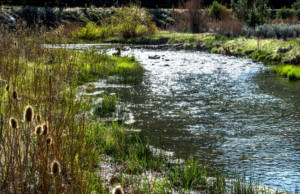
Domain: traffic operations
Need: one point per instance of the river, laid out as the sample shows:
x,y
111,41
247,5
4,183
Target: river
x,y
231,112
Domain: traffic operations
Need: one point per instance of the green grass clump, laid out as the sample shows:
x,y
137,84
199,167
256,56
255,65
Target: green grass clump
x,y
107,107
127,22
91,66
292,72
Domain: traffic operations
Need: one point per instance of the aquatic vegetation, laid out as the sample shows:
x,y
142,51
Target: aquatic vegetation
x,y
292,72
107,106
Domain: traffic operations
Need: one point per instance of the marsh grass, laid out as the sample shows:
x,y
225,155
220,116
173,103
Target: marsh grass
x,y
107,107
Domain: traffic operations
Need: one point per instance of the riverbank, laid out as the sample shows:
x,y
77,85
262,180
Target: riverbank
x,y
274,52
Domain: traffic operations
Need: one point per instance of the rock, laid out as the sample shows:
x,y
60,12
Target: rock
x,y
166,65
153,57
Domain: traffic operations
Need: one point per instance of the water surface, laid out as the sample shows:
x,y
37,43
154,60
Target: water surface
x,y
228,111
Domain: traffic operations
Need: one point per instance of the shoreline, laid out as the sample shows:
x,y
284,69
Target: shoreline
x,y
272,52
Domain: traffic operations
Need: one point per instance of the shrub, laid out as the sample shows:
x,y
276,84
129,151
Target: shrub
x,y
191,19
283,31
127,22
216,10
91,31
296,6
285,13
252,12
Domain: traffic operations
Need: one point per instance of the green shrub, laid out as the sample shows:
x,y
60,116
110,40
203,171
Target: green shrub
x,y
127,22
296,6
133,21
253,12
216,10
91,31
285,13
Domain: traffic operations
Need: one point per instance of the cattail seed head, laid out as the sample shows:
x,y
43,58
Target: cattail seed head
x,y
45,128
29,114
7,88
55,168
49,141
118,190
15,95
38,118
38,130
13,122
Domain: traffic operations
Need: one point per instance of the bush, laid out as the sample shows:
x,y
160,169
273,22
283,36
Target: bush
x,y
252,12
127,22
216,10
285,13
191,19
283,31
296,6
39,16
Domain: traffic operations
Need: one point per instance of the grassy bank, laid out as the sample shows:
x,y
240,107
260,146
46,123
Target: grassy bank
x,y
274,52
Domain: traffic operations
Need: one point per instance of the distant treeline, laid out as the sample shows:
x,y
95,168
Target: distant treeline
x,y
275,4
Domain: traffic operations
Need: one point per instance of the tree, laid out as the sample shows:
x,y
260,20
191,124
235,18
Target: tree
x,y
252,12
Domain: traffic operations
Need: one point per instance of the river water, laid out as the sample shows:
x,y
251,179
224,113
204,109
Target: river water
x,y
230,112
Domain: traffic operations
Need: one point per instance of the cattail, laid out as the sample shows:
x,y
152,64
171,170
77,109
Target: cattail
x,y
118,190
55,168
38,130
15,95
49,141
38,118
13,122
7,88
45,128
28,114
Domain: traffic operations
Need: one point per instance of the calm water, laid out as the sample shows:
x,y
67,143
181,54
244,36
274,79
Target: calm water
x,y
229,111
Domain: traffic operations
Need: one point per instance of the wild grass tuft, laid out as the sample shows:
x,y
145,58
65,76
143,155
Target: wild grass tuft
x,y
107,106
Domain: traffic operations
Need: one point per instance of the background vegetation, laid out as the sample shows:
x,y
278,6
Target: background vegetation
x,y
148,4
